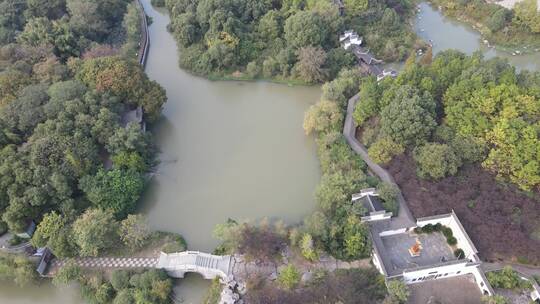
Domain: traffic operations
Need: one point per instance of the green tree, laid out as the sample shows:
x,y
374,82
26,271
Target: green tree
x,y
124,297
526,13
17,268
368,101
305,29
115,190
120,280
468,148
37,31
356,239
289,277
384,149
495,299
308,247
388,193
270,26
498,19
54,232
507,279
134,230
334,189
409,119
153,286
131,161
125,79
128,139
343,87
185,29
132,27
355,7
310,64
67,274
436,161
52,9
323,117
398,291
316,224
94,231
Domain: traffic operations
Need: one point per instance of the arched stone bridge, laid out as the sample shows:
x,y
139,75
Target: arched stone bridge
x,y
208,265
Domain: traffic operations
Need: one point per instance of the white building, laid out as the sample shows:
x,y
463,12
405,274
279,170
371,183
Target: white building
x,y
415,256
387,73
350,38
369,198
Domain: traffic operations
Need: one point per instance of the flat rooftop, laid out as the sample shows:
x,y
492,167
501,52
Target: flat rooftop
x,y
396,249
444,291
371,203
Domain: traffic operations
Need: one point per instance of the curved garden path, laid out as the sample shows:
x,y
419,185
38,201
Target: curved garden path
x,y
404,218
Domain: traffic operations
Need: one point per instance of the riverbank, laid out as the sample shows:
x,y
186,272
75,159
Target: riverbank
x,y
247,78
502,33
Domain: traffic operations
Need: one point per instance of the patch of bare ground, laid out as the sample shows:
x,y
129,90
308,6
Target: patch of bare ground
x,y
499,218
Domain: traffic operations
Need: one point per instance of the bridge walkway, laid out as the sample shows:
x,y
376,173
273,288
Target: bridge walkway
x,y
208,265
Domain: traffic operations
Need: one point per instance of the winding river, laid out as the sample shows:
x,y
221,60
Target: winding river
x,y
236,149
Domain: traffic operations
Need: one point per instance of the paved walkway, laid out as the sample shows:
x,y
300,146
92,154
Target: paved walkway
x,y
108,262
404,218
524,269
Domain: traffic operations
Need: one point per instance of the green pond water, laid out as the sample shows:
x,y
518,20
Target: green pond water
x,y
236,149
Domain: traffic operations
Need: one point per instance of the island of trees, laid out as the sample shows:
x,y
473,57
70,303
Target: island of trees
x,y
294,41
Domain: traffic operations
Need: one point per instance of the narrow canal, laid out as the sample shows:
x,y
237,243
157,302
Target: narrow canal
x,y
237,150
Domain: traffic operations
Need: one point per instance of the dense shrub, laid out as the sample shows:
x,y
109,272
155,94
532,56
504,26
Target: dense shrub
x,y
447,232
3,228
384,149
459,253
337,229
435,161
507,278
289,277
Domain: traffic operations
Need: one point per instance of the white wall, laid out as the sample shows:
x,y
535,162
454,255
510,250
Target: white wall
x,y
444,271
377,262
451,221
377,216
447,271
392,232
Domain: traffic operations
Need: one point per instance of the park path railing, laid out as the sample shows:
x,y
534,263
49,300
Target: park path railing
x,y
144,42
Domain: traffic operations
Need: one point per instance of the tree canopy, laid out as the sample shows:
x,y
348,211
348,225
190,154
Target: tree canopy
x,y
475,110
67,80
290,40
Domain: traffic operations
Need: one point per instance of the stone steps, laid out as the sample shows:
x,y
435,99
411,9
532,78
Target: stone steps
x,y
206,262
